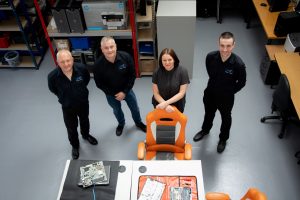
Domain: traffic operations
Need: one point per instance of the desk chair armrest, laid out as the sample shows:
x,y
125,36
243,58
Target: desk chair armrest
x,y
141,150
254,193
187,151
216,196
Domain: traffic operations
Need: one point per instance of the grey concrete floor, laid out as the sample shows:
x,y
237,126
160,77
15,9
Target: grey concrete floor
x,y
34,145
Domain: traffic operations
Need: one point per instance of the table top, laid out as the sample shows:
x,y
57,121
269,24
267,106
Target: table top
x,y
129,173
123,186
267,18
272,49
69,188
289,64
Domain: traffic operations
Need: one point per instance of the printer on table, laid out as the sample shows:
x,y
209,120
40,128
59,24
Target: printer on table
x,y
292,42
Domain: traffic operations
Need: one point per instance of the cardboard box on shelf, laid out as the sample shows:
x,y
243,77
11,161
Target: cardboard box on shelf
x,y
62,44
148,65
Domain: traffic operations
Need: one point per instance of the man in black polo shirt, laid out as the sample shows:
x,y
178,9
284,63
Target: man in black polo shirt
x,y
227,76
69,83
114,74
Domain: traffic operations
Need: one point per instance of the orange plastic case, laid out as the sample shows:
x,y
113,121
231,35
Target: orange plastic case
x,y
172,181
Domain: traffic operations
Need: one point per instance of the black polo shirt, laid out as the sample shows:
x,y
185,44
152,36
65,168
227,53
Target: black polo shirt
x,y
115,77
225,77
70,93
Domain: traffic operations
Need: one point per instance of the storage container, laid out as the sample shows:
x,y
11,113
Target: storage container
x,y
82,43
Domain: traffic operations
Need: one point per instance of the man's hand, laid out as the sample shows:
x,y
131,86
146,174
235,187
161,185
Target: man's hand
x,y
120,96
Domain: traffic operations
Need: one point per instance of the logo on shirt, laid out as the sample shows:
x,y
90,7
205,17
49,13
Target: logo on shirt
x,y
229,71
122,67
79,79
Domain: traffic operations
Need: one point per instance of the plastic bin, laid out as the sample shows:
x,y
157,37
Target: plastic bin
x,y
83,43
4,41
12,58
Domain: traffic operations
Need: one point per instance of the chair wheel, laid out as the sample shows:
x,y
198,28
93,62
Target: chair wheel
x,y
280,136
297,154
262,120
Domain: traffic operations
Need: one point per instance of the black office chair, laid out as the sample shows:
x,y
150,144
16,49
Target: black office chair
x,y
282,103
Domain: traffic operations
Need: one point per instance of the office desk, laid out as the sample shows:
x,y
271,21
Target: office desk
x,y
289,64
268,19
272,49
128,180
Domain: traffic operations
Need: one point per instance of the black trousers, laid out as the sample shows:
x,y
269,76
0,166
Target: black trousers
x,y
71,116
223,103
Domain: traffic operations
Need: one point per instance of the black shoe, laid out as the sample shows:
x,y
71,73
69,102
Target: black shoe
x,y
75,153
221,146
141,126
199,135
119,130
91,140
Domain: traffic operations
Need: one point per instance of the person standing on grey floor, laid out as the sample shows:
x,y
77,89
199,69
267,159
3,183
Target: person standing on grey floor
x,y
227,76
114,74
170,81
69,83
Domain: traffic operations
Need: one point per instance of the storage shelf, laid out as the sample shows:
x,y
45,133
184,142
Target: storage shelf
x,y
19,23
26,62
21,47
147,66
11,24
146,73
88,33
16,2
147,57
148,17
145,35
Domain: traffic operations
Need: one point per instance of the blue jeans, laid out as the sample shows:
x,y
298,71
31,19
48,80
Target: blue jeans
x,y
132,104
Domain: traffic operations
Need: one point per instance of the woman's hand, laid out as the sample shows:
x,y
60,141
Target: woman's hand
x,y
169,109
163,105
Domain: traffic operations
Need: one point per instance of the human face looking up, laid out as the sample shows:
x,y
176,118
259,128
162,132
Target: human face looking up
x,y
226,46
109,50
167,61
65,61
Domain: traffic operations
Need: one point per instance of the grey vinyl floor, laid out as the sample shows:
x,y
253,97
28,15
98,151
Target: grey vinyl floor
x,y
34,145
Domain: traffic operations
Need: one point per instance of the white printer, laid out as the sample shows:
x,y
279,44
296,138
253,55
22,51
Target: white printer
x,y
113,20
105,14
292,42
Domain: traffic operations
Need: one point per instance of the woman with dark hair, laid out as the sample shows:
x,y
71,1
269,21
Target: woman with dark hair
x,y
170,81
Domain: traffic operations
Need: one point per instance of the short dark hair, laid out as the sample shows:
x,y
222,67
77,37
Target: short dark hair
x,y
170,52
227,35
